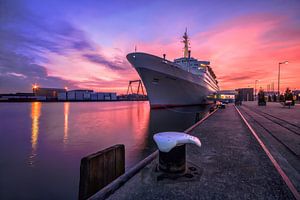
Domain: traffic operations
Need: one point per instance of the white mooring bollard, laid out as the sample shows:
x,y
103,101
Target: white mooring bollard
x,y
172,150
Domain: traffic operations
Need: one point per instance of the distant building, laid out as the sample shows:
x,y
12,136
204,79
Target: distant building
x,y
100,96
245,94
78,95
94,97
18,97
86,95
62,96
226,95
113,96
132,97
107,96
56,94
49,93
71,95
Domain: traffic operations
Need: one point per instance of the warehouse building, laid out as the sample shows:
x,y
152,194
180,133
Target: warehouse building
x,y
245,94
86,95
226,96
48,93
76,95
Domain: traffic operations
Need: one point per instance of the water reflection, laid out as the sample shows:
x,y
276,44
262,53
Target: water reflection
x,y
141,124
66,121
140,120
176,119
35,116
171,119
71,131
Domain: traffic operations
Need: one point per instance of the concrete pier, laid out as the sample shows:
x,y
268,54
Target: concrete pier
x,y
231,164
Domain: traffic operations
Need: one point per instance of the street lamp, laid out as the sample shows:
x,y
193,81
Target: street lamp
x,y
255,89
285,62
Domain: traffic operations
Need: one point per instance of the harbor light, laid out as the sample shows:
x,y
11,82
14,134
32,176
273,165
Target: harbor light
x,y
35,86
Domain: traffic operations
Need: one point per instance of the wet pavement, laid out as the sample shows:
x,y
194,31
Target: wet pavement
x,y
291,114
279,129
229,165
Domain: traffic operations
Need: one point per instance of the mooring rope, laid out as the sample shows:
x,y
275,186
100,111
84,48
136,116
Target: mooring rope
x,y
182,112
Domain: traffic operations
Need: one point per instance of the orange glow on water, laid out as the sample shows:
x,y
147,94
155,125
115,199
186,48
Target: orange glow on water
x,y
66,121
35,116
124,122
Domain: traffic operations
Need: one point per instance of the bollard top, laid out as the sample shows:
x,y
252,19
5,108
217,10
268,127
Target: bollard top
x,y
166,141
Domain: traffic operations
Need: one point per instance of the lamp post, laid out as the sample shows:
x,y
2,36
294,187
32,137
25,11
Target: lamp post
x,y
285,62
255,89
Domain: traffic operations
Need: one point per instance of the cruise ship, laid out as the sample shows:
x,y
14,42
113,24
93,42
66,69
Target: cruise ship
x,y
183,82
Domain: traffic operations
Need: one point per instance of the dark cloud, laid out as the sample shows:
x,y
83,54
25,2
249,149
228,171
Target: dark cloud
x,y
22,27
19,72
14,83
24,40
116,64
235,77
11,62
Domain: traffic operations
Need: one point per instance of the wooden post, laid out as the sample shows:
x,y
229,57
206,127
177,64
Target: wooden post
x,y
99,169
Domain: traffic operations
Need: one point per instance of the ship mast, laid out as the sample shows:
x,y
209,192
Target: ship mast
x,y
186,42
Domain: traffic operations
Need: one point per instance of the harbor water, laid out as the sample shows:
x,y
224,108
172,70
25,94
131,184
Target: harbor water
x,y
42,144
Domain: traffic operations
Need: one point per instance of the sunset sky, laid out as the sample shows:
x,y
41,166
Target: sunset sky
x,y
83,44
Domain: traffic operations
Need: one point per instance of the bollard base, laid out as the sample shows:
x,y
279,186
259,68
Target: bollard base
x,y
192,173
173,161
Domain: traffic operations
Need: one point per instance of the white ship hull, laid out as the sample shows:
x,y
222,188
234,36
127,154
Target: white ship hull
x,y
168,85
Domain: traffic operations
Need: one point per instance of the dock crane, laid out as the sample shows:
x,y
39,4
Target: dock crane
x,y
140,87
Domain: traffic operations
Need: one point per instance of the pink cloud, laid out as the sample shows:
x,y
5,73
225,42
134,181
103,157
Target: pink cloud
x,y
243,50
99,75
